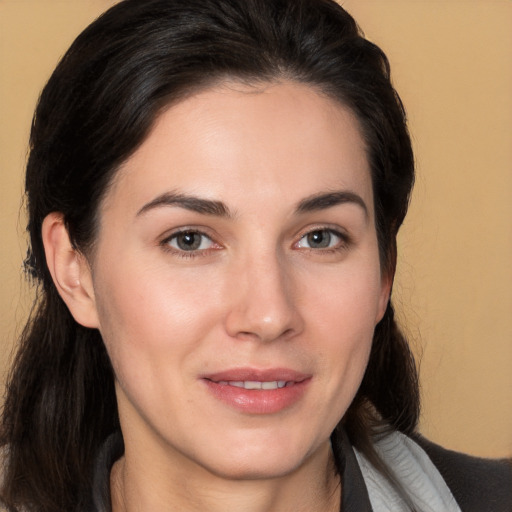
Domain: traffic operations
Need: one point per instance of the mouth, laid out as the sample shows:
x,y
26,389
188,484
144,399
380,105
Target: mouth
x,y
255,384
258,391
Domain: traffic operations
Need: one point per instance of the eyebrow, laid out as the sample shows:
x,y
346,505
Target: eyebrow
x,y
192,203
316,202
322,201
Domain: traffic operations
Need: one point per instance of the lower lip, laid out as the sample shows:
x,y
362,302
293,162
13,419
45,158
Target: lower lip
x,y
258,401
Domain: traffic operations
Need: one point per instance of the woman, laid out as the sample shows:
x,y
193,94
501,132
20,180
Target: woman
x,y
214,193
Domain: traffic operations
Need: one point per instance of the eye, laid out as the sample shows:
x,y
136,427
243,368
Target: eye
x,y
320,239
189,241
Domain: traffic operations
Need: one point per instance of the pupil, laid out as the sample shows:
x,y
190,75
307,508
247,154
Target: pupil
x,y
319,239
189,241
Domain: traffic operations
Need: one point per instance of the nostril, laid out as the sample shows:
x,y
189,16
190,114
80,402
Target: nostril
x,y
288,333
265,335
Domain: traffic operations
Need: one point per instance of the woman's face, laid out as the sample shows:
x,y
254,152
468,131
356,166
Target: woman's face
x,y
236,279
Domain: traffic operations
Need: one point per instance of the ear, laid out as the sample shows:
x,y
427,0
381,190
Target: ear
x,y
70,271
385,294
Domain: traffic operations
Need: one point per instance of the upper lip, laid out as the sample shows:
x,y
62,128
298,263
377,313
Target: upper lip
x,y
257,375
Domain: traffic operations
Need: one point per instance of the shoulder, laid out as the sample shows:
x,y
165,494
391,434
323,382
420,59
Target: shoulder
x,y
476,483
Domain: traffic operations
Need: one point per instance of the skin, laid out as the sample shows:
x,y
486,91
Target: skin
x,y
257,293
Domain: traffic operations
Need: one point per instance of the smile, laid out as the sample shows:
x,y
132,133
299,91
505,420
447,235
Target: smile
x,y
254,384
256,391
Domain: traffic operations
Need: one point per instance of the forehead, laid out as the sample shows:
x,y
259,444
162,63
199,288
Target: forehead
x,y
271,142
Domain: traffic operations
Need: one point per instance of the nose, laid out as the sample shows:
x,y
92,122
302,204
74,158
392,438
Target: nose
x,y
264,303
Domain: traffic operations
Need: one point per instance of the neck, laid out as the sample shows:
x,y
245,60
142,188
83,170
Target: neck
x,y
313,487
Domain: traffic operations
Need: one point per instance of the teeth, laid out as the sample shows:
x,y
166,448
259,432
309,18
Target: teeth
x,y
254,384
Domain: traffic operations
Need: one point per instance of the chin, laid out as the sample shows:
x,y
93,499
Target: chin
x,y
259,461
254,469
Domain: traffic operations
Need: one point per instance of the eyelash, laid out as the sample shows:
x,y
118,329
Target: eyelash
x,y
181,253
344,242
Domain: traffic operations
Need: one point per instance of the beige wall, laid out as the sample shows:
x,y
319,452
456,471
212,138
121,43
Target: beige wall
x,y
452,63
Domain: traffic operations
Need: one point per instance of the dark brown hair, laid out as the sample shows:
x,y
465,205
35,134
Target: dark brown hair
x,y
94,112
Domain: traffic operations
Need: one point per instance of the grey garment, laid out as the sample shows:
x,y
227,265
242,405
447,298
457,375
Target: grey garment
x,y
478,485
422,486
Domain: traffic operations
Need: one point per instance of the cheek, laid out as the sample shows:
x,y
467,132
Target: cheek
x,y
148,315
341,319
348,302
152,328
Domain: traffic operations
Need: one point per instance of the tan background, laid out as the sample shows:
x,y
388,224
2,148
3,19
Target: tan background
x,y
452,64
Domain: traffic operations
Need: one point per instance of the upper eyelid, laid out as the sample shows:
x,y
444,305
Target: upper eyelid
x,y
187,229
183,231
337,230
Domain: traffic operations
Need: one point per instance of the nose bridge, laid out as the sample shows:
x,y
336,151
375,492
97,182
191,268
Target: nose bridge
x,y
264,306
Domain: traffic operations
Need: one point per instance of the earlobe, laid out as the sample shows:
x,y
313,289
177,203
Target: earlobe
x,y
70,271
